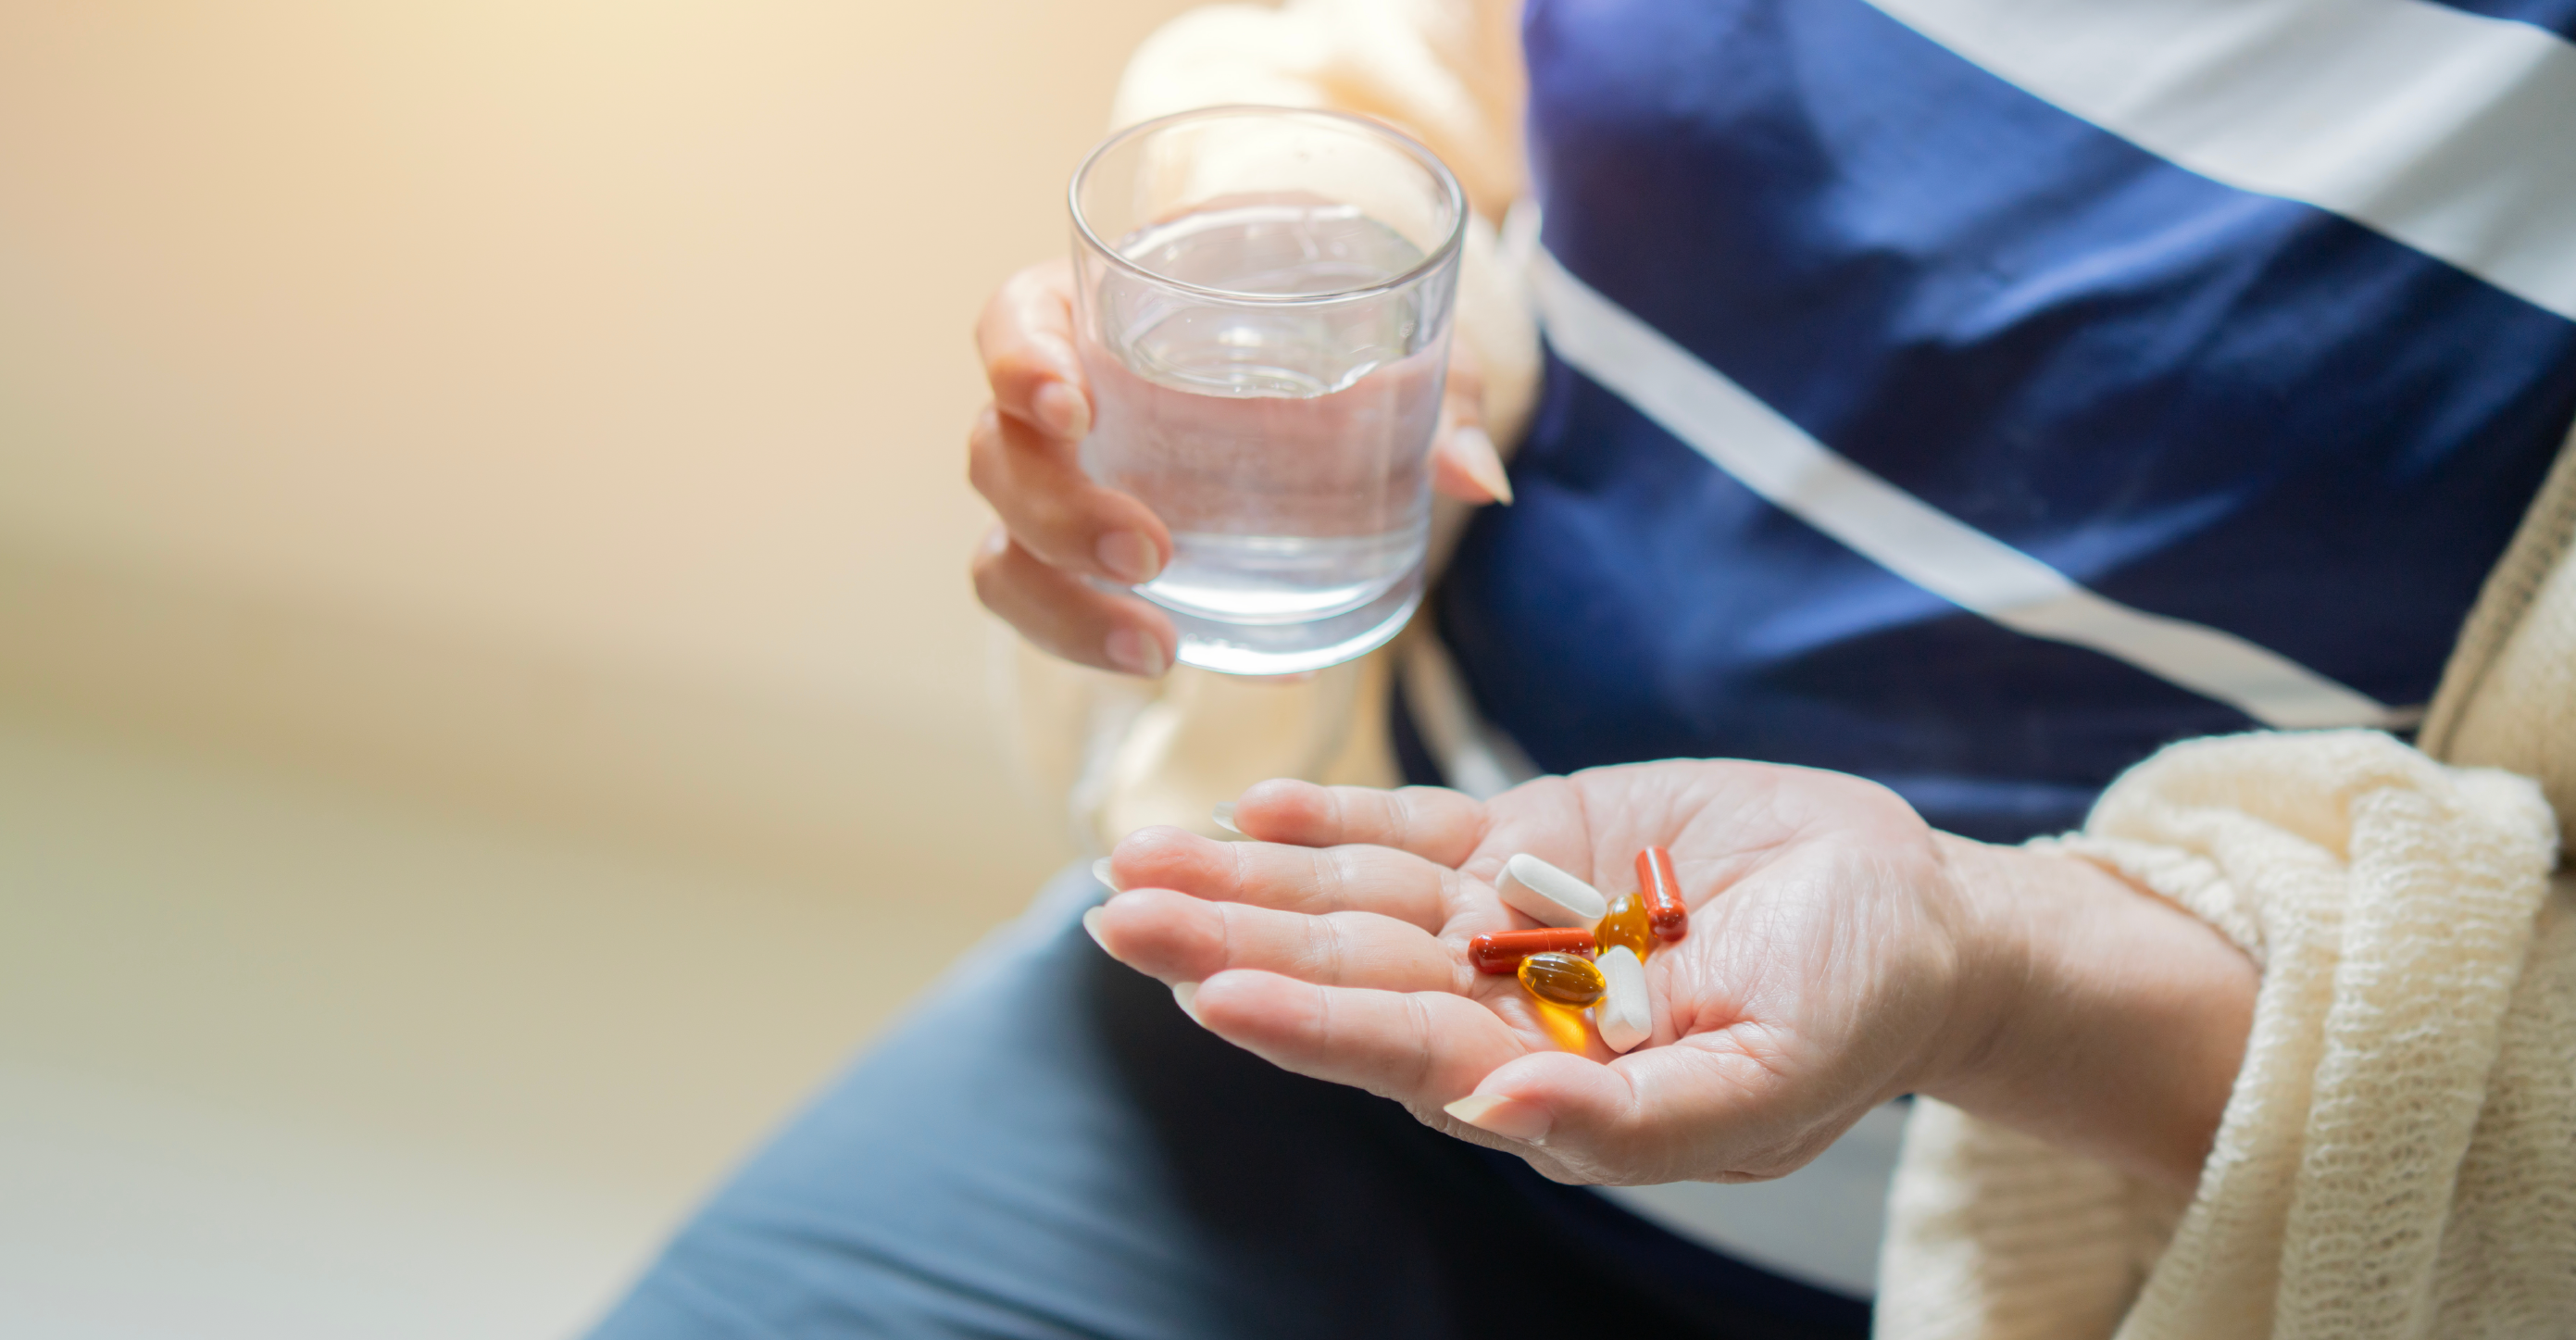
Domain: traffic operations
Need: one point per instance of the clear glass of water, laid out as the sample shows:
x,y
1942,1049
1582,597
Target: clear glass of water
x,y
1263,311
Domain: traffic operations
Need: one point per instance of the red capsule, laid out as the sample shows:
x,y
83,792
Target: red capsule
x,y
1662,891
1502,951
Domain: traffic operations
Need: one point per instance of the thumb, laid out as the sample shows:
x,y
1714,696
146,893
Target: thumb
x,y
1465,466
1684,1112
1464,463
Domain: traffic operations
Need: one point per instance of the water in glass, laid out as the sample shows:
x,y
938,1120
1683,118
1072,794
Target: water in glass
x,y
1287,445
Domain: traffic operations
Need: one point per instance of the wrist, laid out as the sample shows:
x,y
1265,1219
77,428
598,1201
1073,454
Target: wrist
x,y
1993,967
2088,1012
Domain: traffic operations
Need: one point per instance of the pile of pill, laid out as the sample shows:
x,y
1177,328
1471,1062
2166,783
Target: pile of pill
x,y
1591,952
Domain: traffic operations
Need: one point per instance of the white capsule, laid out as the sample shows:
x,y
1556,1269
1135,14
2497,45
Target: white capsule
x,y
1556,898
1623,1014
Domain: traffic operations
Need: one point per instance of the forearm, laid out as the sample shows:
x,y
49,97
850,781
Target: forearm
x,y
2095,1016
1448,72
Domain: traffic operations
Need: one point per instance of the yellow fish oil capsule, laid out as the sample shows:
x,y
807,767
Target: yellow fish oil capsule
x,y
1564,1027
1626,925
1563,979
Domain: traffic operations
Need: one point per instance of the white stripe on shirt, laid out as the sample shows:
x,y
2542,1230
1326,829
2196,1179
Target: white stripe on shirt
x,y
2449,131
1778,460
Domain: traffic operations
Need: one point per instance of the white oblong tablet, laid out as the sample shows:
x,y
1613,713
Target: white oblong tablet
x,y
1555,898
1623,1014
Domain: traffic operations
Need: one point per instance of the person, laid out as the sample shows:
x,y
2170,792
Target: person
x,y
1952,405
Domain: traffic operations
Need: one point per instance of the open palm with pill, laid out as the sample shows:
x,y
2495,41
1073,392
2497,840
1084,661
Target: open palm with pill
x,y
1816,979
1839,953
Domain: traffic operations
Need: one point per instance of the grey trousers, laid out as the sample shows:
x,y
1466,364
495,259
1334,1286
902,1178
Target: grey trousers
x,y
1048,1147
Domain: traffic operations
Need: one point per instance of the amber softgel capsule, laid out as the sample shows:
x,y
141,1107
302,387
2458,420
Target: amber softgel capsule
x,y
1625,925
1562,979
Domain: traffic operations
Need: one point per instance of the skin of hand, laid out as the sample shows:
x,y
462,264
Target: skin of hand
x,y
1055,527
1840,953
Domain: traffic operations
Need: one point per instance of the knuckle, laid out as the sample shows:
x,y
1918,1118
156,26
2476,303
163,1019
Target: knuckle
x,y
1423,1035
985,433
1026,280
991,571
1337,821
988,316
985,570
1241,874
988,460
1015,367
1224,950
1453,890
987,477
984,468
1331,949
1333,879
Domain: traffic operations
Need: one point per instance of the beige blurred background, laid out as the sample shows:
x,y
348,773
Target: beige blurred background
x,y
483,638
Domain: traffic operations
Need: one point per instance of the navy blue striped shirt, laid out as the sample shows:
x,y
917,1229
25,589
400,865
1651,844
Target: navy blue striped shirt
x,y
2195,399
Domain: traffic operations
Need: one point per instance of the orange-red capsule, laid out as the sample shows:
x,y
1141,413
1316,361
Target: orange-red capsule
x,y
1662,891
1502,951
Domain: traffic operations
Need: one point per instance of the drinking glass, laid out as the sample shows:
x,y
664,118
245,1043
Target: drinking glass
x,y
1263,300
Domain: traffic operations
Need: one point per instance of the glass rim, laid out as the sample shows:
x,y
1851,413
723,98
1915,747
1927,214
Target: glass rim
x,y
1440,173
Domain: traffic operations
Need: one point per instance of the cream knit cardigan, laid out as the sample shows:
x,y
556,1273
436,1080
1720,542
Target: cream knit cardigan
x,y
2398,1156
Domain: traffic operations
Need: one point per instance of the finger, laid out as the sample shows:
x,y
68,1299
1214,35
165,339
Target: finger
x,y
1025,337
1419,1048
1465,466
1432,822
1056,511
1068,618
1704,1109
1293,879
1178,938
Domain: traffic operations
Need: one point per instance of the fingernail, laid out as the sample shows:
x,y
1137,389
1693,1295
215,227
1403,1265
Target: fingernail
x,y
1128,556
1509,1118
1061,410
1136,653
1100,871
1476,455
1224,816
1187,993
1091,926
